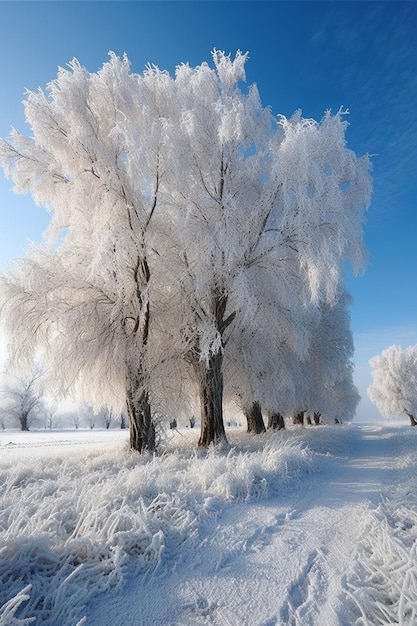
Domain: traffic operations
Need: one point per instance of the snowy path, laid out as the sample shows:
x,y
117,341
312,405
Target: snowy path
x,y
280,560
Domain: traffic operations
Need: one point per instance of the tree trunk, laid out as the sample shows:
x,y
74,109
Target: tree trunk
x,y
209,376
275,421
254,418
24,421
210,381
141,426
317,418
298,418
411,418
142,429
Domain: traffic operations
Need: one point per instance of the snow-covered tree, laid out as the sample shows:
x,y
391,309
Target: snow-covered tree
x,y
106,416
51,418
262,363
257,198
325,385
95,160
22,399
179,204
343,396
394,386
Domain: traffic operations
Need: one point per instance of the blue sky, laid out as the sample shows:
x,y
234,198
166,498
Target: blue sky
x,y
312,56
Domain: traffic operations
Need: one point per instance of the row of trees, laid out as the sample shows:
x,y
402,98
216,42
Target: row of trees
x,y
195,248
394,382
23,404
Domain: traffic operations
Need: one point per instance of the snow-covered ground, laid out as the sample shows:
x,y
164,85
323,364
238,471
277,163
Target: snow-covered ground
x,y
311,526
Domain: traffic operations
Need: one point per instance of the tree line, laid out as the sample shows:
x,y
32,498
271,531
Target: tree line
x,y
24,404
195,249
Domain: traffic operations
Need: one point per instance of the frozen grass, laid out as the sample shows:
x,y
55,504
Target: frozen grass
x,y
70,523
383,588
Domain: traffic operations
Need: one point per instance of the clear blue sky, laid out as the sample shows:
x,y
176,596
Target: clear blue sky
x,y
308,55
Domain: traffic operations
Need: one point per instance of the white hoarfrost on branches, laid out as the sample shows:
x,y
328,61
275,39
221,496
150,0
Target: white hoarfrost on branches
x,y
394,386
192,232
96,161
326,384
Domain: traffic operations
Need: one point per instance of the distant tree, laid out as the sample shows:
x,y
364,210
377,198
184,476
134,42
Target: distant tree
x,y
262,357
317,418
88,415
325,383
276,421
394,386
23,399
107,416
255,421
298,417
50,413
343,396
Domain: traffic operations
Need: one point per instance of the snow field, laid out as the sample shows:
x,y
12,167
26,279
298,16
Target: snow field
x,y
71,520
305,527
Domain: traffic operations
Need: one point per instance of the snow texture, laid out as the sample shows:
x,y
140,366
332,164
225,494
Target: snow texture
x,y
307,526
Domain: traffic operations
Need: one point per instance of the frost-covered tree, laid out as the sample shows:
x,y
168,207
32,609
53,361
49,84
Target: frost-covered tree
x,y
257,197
325,388
178,204
76,419
262,363
50,415
394,386
95,159
343,396
107,417
295,361
22,398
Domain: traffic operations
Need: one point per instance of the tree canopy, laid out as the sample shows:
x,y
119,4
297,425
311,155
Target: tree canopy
x,y
394,382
